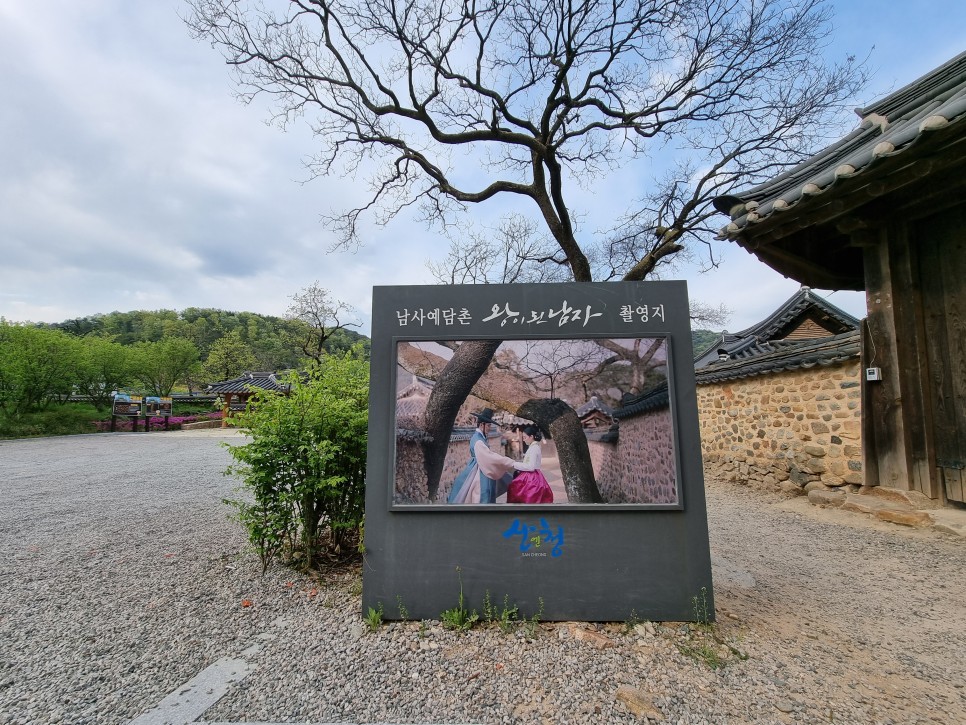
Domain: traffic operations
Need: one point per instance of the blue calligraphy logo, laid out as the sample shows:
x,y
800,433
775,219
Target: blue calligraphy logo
x,y
532,537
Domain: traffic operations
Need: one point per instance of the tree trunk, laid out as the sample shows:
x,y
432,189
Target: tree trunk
x,y
559,419
310,529
455,383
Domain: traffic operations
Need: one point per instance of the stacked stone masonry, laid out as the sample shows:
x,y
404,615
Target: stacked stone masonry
x,y
639,467
794,430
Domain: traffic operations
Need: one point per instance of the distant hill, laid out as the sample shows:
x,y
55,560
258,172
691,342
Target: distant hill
x,y
703,339
274,341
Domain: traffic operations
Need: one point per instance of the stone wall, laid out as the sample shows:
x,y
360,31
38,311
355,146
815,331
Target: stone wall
x,y
793,430
639,467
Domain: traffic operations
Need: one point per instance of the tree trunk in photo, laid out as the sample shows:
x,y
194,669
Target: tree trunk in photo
x,y
561,421
455,383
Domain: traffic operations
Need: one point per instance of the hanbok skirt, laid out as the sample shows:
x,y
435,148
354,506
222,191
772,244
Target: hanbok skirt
x,y
529,487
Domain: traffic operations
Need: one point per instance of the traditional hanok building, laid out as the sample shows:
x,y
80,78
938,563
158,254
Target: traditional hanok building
x,y
595,414
778,403
412,396
804,317
236,392
884,210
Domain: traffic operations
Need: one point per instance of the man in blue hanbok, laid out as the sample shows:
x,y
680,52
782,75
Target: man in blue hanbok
x,y
487,474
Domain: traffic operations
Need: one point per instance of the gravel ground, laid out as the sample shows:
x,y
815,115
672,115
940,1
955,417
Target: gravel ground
x,y
123,578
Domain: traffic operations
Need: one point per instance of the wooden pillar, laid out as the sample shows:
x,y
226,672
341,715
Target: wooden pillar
x,y
882,401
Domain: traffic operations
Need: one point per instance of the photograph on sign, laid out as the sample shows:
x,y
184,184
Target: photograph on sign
x,y
547,421
127,405
158,406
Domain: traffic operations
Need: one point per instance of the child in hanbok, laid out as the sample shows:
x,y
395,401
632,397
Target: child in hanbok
x,y
530,485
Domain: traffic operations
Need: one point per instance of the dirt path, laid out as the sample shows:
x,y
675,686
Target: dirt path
x,y
869,612
124,578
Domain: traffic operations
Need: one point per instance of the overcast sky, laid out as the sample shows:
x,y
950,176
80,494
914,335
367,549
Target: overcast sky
x,y
130,177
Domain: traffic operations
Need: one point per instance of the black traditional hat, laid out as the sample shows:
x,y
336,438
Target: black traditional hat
x,y
485,416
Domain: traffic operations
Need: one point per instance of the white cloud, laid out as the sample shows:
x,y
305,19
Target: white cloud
x,y
131,178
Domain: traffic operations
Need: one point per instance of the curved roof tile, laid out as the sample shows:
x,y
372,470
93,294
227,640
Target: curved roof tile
x,y
737,344
781,355
593,404
248,381
889,128
653,399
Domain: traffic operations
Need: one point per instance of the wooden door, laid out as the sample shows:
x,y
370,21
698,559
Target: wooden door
x,y
941,243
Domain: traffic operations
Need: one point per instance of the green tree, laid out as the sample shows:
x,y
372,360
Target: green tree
x,y
228,358
105,366
159,366
37,367
306,462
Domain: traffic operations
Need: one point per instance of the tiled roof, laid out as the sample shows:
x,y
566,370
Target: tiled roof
x,y
593,404
653,399
413,435
411,401
610,434
249,380
931,108
799,306
769,357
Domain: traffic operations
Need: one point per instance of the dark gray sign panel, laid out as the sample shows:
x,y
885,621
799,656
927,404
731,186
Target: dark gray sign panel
x,y
537,444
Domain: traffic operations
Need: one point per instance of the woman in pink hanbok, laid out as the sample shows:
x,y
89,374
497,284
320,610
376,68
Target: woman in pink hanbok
x,y
530,485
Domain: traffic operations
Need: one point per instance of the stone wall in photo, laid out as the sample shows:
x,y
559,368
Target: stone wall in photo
x,y
639,467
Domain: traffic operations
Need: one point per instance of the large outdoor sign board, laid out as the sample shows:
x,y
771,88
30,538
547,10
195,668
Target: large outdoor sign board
x,y
158,407
127,405
464,381
136,406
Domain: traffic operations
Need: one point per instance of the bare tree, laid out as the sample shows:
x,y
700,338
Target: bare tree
x,y
513,252
540,98
547,363
319,315
544,96
707,314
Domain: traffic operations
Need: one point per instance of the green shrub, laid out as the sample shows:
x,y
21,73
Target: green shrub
x,y
69,419
306,462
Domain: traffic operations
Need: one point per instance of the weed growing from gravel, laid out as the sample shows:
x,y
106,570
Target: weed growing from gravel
x,y
704,644
531,625
374,618
459,617
507,618
702,615
403,612
632,621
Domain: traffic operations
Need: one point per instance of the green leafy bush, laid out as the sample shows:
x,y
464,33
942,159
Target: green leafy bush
x,y
69,419
37,368
306,462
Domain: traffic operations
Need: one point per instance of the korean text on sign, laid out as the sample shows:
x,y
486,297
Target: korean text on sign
x,y
437,316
